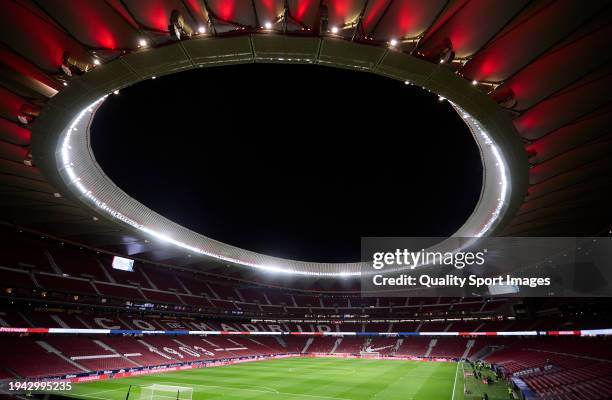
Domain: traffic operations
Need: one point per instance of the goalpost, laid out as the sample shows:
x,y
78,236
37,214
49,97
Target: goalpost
x,y
165,392
370,354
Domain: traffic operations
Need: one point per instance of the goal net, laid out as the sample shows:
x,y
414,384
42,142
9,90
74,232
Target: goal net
x,y
165,392
370,354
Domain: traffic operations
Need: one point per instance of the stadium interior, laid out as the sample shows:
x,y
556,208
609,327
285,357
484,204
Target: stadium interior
x,y
530,79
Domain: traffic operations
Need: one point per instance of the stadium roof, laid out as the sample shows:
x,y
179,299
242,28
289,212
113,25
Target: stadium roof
x,y
530,78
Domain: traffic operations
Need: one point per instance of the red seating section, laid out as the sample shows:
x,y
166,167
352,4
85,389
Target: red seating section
x,y
350,345
322,345
77,263
448,347
125,292
414,346
20,251
592,381
559,368
25,357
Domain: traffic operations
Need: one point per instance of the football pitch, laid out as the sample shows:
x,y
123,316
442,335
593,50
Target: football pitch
x,y
300,378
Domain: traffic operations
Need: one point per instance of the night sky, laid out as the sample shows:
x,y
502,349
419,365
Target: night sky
x,y
292,161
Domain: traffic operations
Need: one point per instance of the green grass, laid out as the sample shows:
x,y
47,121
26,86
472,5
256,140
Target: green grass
x,y
302,378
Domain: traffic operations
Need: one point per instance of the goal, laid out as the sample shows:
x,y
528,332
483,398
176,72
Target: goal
x,y
370,354
165,392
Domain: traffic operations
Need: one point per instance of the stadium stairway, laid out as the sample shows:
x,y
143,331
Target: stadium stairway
x,y
468,348
349,345
112,350
481,354
414,346
51,349
336,344
430,346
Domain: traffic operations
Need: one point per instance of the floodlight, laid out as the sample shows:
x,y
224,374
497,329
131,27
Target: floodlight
x,y
73,66
178,27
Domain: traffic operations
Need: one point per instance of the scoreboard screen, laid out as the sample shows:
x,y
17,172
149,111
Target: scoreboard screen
x,y
124,264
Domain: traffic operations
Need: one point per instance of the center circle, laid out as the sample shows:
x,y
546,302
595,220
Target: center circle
x,y
293,161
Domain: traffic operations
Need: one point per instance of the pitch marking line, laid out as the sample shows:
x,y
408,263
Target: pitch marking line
x,y
91,395
455,383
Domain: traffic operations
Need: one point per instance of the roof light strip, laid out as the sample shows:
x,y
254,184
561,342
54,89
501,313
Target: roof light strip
x,y
69,170
89,194
477,128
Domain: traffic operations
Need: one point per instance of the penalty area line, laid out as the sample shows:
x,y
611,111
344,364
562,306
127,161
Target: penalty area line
x,y
91,395
268,390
